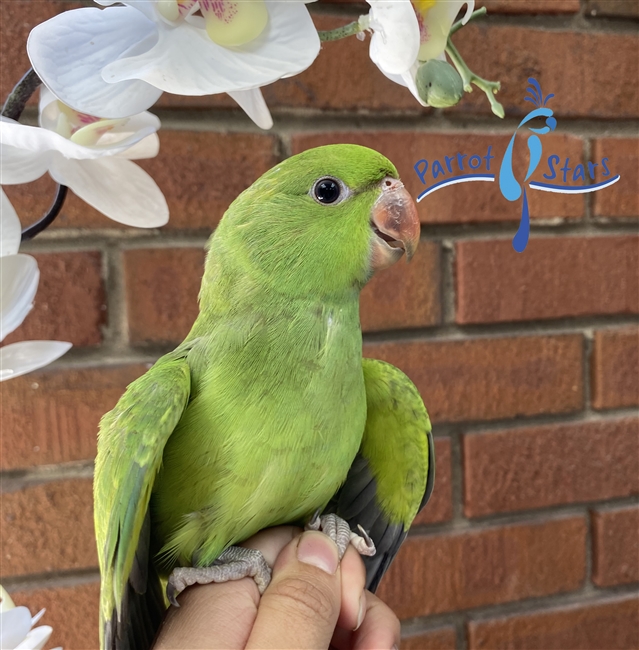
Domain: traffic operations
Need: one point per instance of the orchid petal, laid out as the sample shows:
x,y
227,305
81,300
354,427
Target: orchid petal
x,y
37,637
145,6
19,277
253,104
20,164
118,188
145,148
92,38
123,132
14,623
35,139
19,359
185,61
10,228
395,41
437,23
6,603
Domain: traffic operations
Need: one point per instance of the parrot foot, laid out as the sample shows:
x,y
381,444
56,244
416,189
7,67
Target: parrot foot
x,y
339,531
235,563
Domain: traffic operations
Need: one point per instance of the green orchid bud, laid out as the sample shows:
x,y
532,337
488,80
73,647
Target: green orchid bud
x,y
439,84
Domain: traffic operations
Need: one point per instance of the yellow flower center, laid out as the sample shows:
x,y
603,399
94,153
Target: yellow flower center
x,y
422,6
432,18
230,23
85,130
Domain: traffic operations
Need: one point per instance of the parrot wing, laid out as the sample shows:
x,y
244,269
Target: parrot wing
x,y
130,446
392,476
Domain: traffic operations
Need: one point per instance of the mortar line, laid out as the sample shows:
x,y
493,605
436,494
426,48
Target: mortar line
x,y
298,120
72,240
53,580
447,282
457,475
526,606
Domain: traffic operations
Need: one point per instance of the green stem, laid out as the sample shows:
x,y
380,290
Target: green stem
x,y
340,32
469,77
459,24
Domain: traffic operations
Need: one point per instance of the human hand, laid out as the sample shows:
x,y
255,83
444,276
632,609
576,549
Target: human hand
x,y
313,601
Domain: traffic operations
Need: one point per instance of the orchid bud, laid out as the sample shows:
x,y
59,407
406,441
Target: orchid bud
x,y
439,84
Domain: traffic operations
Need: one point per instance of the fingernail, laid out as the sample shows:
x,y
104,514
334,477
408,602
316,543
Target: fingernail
x,y
394,647
319,550
362,611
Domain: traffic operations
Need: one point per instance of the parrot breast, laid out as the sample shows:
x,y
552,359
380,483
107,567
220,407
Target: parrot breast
x,y
276,418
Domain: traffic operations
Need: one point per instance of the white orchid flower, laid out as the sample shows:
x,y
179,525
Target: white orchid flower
x,y
89,155
406,34
117,62
19,278
16,624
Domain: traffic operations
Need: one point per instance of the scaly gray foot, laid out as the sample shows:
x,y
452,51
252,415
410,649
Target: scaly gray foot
x,y
340,532
234,563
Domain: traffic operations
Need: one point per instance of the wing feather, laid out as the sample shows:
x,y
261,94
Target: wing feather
x,y
130,446
392,476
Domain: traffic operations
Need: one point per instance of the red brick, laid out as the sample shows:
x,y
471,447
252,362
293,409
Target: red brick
x,y
622,200
70,304
487,378
200,174
530,6
610,624
72,612
615,368
443,573
162,286
615,541
553,278
614,8
443,638
52,416
554,58
404,295
468,202
440,506
536,467
48,527
17,19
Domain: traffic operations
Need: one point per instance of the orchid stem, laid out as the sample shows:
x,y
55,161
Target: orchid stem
x,y
20,95
469,77
13,107
352,29
459,24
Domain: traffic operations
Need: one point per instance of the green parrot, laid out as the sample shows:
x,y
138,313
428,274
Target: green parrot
x,y
267,413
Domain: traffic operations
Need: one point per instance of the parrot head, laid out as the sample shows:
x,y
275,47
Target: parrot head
x,y
325,219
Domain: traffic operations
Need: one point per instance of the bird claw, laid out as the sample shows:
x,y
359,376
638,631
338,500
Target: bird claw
x,y
339,531
234,563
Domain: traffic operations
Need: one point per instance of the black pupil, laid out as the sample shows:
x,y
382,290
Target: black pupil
x,y
327,191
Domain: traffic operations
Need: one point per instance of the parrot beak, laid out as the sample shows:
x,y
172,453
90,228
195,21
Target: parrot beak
x,y
395,222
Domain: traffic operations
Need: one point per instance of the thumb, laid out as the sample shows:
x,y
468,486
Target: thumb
x,y
300,607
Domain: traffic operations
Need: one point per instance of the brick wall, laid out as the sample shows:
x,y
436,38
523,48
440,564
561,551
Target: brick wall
x,y
529,364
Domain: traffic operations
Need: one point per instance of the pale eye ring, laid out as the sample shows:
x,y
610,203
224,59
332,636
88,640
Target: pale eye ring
x,y
328,191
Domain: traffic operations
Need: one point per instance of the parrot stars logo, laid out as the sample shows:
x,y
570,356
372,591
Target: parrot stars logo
x,y
511,189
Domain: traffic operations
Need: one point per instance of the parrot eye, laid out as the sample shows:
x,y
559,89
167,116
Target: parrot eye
x,y
326,191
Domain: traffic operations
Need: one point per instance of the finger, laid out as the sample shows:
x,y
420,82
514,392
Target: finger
x,y
221,615
271,541
353,575
211,616
380,628
300,607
